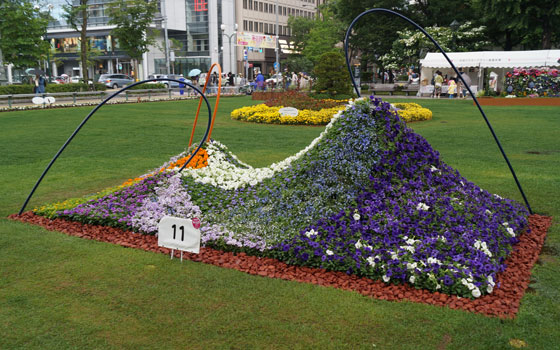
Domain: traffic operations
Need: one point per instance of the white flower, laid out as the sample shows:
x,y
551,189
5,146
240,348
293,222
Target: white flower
x,y
411,266
489,289
329,252
386,278
371,261
411,279
491,281
462,183
422,206
358,245
356,216
476,293
410,241
488,212
471,286
510,231
311,234
506,224
495,195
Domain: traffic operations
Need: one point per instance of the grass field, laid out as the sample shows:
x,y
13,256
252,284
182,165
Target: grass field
x,y
61,292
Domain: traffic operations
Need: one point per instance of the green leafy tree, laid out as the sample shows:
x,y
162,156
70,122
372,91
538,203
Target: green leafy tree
x,y
533,24
374,34
76,15
432,13
332,75
22,27
312,37
132,18
411,43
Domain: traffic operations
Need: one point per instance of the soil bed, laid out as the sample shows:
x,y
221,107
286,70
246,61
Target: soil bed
x,y
503,302
519,101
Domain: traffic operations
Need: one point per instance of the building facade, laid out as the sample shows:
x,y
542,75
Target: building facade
x,y
199,32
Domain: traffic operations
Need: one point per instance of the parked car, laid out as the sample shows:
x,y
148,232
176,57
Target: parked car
x,y
77,79
115,81
225,81
275,79
174,84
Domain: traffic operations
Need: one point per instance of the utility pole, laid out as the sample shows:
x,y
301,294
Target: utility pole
x,y
165,36
277,64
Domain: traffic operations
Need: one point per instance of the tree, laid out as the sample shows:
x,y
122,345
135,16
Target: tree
x,y
411,42
77,18
374,34
132,18
533,24
313,37
332,75
22,28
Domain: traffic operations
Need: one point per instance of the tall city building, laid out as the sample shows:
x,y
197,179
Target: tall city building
x,y
241,35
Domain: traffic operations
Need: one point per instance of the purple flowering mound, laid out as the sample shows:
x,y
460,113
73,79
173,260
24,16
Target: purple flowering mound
x,y
416,221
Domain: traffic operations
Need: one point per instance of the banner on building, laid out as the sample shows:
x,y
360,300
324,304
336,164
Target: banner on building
x,y
256,40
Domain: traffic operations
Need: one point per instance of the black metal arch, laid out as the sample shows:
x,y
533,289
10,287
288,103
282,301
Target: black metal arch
x,y
99,106
349,31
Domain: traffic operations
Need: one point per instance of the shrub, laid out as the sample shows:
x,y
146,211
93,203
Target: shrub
x,y
146,86
271,115
332,75
16,89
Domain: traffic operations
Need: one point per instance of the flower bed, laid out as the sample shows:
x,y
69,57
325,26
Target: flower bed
x,y
533,82
271,115
411,112
368,197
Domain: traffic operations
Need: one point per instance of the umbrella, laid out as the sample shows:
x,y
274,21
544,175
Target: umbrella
x,y
194,72
35,71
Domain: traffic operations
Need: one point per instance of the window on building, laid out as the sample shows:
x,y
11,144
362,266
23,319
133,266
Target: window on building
x,y
245,4
260,6
266,28
261,27
284,10
250,26
250,4
265,7
245,25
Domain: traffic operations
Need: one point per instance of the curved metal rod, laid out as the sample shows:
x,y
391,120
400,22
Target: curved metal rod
x,y
95,110
456,72
215,105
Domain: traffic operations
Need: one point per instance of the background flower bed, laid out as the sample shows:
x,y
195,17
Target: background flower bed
x,y
534,82
370,197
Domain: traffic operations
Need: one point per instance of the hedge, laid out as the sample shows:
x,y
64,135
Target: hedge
x,y
28,89
147,86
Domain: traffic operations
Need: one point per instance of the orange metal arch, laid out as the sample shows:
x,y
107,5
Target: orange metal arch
x,y
215,105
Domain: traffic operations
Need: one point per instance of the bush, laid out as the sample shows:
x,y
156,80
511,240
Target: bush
x,y
332,75
338,97
74,87
146,86
16,89
364,87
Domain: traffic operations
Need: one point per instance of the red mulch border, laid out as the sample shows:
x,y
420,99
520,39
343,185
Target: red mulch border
x,y
503,302
519,101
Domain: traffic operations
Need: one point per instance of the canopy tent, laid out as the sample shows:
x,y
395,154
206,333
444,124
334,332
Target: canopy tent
x,y
474,63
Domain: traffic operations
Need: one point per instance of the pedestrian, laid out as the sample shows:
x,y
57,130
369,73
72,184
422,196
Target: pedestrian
x,y
452,88
260,81
438,80
230,79
294,79
40,84
214,82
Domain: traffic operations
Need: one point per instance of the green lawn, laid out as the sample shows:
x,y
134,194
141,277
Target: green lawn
x,y
61,292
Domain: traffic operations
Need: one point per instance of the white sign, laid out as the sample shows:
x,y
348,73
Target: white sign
x,y
37,100
289,111
49,100
178,233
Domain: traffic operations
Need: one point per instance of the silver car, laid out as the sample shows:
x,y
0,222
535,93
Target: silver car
x,y
115,81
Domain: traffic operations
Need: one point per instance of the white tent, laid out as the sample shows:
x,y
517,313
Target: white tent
x,y
474,63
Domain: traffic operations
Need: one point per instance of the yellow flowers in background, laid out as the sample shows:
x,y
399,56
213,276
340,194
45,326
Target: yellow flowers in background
x,y
271,115
410,112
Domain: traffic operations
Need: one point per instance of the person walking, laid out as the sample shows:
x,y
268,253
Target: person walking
x,y
40,84
260,81
438,80
452,88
